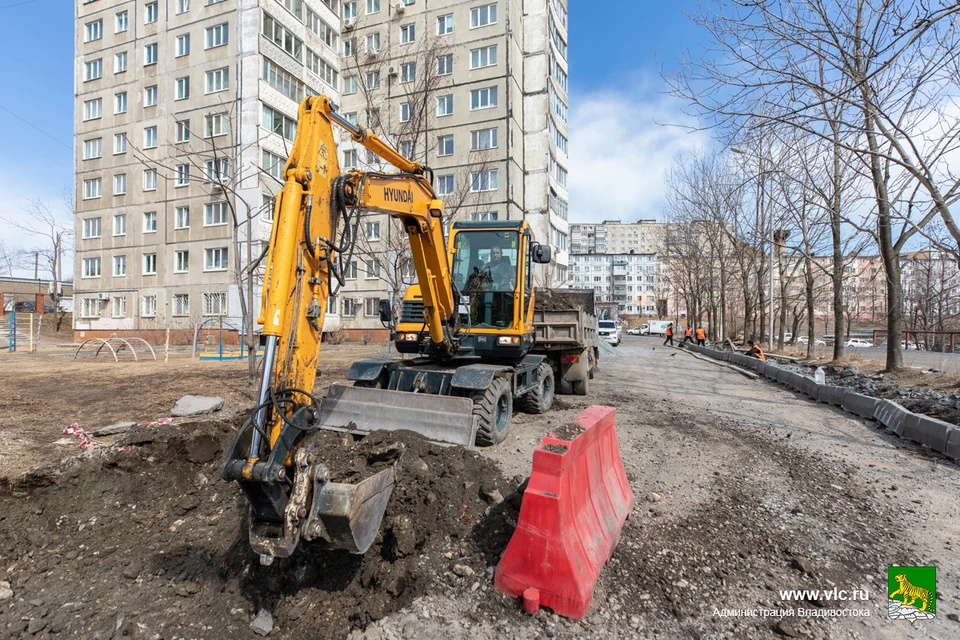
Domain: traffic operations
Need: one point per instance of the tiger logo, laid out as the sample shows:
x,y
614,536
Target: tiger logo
x,y
910,593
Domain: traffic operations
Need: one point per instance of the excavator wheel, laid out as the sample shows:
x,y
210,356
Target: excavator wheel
x,y
494,408
540,399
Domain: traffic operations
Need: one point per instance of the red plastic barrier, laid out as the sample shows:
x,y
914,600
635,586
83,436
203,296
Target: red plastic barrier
x,y
572,512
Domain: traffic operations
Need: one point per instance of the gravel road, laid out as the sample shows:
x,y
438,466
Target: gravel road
x,y
743,489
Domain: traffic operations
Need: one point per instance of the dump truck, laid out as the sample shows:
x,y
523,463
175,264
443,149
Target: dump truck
x,y
565,322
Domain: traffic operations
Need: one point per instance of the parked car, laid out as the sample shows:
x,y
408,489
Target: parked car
x,y
805,340
29,306
859,343
609,330
633,332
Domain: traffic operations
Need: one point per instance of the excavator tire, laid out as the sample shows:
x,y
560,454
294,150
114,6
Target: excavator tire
x,y
540,399
494,408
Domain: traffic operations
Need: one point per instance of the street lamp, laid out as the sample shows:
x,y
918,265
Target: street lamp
x,y
760,172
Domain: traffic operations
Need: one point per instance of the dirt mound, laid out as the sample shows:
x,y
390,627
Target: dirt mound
x,y
147,541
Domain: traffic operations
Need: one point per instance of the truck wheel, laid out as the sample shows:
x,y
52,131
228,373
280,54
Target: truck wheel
x,y
494,407
540,399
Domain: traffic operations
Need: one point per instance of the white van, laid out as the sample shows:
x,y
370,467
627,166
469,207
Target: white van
x,y
609,330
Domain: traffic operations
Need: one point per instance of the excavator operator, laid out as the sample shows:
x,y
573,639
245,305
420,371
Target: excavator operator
x,y
503,274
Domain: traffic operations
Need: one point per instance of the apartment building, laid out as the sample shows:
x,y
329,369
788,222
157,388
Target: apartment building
x,y
185,110
614,236
630,280
476,90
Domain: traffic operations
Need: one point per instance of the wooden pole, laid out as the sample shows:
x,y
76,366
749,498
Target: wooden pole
x,y
166,347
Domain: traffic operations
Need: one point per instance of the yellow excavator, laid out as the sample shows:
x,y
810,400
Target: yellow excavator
x,y
468,327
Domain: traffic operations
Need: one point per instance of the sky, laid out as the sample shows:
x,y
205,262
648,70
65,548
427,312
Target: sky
x,y
618,148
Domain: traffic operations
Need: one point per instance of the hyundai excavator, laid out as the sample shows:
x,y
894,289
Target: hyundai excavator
x,y
470,340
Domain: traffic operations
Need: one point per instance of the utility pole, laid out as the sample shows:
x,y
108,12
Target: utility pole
x,y
36,265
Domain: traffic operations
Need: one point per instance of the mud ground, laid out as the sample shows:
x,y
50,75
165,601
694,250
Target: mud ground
x,y
742,489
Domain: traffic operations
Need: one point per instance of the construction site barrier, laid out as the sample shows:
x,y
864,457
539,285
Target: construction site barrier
x,y
933,433
573,509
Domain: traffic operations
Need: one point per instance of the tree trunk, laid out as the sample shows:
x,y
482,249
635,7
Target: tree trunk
x,y
811,321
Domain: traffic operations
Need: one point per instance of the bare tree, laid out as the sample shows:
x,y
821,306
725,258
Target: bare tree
x,y
53,230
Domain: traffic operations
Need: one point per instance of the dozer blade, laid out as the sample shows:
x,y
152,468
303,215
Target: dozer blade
x,y
438,418
348,516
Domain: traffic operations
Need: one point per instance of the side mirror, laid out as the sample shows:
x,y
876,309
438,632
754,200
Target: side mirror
x,y
386,313
541,253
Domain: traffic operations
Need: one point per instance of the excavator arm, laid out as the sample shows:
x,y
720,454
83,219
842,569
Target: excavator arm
x,y
284,482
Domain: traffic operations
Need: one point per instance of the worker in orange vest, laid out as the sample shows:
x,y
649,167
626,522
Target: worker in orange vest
x,y
701,336
755,351
669,333
687,335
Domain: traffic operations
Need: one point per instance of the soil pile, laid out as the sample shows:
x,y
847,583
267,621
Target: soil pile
x,y
147,541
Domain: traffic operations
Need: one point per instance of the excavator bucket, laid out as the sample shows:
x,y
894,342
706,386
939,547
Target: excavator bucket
x,y
347,516
445,419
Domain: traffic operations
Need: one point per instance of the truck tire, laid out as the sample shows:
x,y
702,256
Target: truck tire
x,y
540,399
494,408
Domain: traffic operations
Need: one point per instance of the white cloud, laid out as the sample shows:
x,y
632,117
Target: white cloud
x,y
620,147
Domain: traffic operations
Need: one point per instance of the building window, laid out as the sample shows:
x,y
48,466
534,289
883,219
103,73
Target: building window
x,y
483,180
483,16
215,304
150,96
93,109
181,218
373,6
350,307
120,62
119,266
483,216
182,178
350,10
90,308
148,307
216,36
217,170
349,85
371,307
282,37
282,81
150,222
373,270
445,146
181,304
150,137
183,6
123,22
349,47
408,33
150,54
373,231
445,24
181,261
373,42
279,124
91,228
150,180
215,124
183,45
350,159
119,143
94,30
91,267
183,131
272,164
92,148
119,307
445,185
408,72
373,80
183,88
120,224
445,105
120,102
93,70
406,111
91,188
445,64
119,184
483,98
149,264
215,214
483,57
318,67
215,259
153,12
408,149
483,139
218,80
